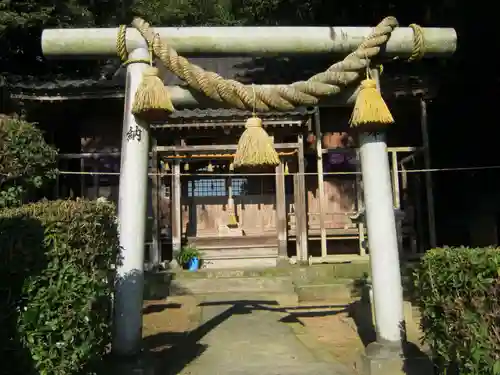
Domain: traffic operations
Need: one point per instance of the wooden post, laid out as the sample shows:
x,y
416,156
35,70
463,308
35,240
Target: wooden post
x,y
404,185
395,180
298,218
396,197
417,190
360,206
155,249
95,180
321,187
57,187
301,195
82,178
176,211
428,175
281,222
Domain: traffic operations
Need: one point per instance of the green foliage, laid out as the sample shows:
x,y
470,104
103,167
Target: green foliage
x,y
22,22
27,162
458,292
56,286
187,253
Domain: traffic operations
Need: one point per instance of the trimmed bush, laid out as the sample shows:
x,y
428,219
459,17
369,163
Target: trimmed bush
x,y
27,162
458,292
56,286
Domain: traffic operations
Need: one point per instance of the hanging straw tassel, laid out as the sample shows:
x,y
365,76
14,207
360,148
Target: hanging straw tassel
x,y
165,166
286,169
255,148
370,110
232,220
152,100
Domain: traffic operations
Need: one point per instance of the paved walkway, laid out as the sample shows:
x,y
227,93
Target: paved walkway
x,y
244,336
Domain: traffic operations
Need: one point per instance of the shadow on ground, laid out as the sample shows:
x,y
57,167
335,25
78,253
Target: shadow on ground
x,y
169,353
156,308
416,362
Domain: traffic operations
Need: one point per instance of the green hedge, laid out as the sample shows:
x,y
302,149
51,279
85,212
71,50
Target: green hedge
x,y
27,162
458,292
56,286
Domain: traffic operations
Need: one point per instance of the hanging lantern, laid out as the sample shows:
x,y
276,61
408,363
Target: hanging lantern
x,y
186,167
210,167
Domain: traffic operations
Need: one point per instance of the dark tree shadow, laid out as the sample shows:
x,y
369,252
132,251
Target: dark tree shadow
x,y
416,362
168,353
22,256
151,309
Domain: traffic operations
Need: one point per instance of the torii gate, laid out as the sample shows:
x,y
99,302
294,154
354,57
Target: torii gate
x,y
98,43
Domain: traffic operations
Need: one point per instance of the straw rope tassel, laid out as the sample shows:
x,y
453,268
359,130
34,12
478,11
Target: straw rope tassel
x,y
152,100
232,220
370,110
255,148
164,166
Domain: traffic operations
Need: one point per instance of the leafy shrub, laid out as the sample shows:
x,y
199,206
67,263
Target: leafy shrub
x,y
458,291
56,285
27,162
186,254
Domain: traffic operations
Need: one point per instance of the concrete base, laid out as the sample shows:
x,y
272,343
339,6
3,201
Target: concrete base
x,y
390,359
382,359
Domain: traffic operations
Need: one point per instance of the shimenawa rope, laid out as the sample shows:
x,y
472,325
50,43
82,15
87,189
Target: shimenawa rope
x,y
254,147
278,97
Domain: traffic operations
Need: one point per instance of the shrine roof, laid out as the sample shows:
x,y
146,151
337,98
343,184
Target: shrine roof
x,y
399,79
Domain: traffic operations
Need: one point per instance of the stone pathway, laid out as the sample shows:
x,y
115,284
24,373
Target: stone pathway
x,y
227,333
243,335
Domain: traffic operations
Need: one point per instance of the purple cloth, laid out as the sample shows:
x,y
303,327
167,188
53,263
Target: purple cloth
x,y
336,158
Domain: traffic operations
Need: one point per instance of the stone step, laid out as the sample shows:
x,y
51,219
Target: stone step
x,y
340,291
327,273
209,273
316,368
306,273
194,286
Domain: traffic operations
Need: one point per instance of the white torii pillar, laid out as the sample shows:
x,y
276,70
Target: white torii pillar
x,y
382,236
132,210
